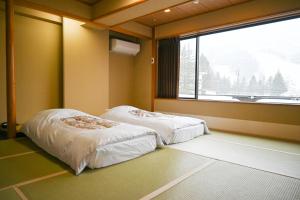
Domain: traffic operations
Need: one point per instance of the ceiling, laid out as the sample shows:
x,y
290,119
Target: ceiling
x,y
90,2
187,9
133,17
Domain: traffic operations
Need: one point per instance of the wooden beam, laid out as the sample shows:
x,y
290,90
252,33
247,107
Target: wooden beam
x,y
128,32
151,13
104,8
137,11
154,69
10,70
69,8
136,28
89,23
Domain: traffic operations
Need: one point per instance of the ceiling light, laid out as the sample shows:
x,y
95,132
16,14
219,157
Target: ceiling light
x,y
196,1
167,10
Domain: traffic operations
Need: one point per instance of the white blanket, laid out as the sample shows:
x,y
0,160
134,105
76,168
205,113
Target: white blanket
x,y
73,136
165,125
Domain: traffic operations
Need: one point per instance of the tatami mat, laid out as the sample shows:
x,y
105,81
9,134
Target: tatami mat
x,y
226,181
9,194
259,157
18,146
18,169
129,180
34,174
277,145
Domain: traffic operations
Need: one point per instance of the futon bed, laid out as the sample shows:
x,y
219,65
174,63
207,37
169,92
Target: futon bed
x,y
172,128
81,140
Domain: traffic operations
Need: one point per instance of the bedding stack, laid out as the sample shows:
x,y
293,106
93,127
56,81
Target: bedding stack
x,y
81,140
172,128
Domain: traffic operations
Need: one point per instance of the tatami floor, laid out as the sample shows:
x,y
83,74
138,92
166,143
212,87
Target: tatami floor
x,y
199,169
264,154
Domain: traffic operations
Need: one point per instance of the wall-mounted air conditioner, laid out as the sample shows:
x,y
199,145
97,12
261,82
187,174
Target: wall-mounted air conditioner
x,y
121,46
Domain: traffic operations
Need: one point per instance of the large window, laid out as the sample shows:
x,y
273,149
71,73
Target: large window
x,y
259,64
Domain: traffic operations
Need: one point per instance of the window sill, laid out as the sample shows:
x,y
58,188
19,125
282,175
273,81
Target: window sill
x,y
230,101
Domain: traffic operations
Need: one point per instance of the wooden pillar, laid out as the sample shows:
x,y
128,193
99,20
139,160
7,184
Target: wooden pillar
x,y
10,69
154,69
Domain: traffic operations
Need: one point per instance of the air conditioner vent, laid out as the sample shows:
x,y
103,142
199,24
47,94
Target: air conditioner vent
x,y
121,46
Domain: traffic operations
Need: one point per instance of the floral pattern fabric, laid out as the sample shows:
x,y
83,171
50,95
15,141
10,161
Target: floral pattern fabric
x,y
87,122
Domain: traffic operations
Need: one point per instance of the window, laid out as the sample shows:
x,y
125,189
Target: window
x,y
258,64
187,79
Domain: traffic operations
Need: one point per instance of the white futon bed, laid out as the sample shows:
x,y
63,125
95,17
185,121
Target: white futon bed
x,y
172,128
81,140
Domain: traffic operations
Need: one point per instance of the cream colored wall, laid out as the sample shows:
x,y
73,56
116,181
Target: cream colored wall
x,y
121,71
273,121
284,114
142,76
130,78
86,68
38,59
38,53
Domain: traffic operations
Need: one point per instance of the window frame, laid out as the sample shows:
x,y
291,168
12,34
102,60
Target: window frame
x,y
246,98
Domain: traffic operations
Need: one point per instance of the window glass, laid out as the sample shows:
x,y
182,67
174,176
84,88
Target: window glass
x,y
259,64
187,68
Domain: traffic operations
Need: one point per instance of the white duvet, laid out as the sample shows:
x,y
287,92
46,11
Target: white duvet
x,y
164,125
74,136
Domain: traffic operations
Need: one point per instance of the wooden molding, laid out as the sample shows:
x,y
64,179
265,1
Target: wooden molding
x,y
10,69
154,69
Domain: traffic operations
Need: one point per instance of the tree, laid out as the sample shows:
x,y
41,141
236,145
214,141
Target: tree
x,y
206,75
217,79
243,86
253,86
261,86
187,71
278,85
269,86
225,86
